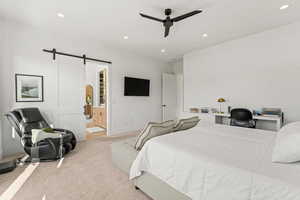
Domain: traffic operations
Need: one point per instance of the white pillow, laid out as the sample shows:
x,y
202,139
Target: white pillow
x,y
287,145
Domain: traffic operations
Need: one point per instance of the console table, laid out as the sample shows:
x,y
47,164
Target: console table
x,y
277,119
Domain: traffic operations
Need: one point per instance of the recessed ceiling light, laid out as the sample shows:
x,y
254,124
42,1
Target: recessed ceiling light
x,y
125,37
163,50
204,35
60,15
284,7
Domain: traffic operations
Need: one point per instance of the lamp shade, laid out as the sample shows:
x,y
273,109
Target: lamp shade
x,y
221,100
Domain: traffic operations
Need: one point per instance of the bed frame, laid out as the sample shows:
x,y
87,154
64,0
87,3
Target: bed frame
x,y
123,155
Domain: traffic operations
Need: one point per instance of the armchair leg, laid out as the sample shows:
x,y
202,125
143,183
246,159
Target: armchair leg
x,y
23,160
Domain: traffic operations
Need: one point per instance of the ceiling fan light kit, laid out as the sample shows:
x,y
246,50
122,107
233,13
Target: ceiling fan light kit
x,y
169,22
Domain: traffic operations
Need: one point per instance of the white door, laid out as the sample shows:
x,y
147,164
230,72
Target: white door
x,y
71,82
169,96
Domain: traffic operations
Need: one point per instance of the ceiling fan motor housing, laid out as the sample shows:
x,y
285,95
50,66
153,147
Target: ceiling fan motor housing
x,y
168,11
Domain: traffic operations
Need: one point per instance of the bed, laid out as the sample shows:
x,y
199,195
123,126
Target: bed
x,y
214,162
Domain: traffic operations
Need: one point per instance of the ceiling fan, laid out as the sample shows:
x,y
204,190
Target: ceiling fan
x,y
168,22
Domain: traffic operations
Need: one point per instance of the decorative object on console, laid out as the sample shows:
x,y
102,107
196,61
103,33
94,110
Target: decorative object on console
x,y
271,111
204,110
29,88
214,110
194,110
256,112
220,101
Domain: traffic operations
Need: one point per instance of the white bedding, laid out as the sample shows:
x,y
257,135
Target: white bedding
x,y
220,163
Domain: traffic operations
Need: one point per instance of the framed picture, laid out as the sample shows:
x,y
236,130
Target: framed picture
x,y
29,88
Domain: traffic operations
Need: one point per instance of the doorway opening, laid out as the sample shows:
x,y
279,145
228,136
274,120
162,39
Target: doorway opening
x,y
96,106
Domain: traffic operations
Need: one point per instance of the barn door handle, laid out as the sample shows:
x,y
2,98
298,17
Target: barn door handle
x,y
164,105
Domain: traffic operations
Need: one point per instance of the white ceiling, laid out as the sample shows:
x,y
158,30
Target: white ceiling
x,y
107,21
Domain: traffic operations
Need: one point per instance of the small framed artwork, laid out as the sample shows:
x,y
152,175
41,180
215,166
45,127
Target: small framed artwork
x,y
29,88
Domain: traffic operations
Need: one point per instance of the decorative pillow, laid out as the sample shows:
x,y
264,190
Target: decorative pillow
x,y
39,135
184,124
287,145
151,130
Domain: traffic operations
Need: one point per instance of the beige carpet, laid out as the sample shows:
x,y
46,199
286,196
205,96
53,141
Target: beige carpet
x,y
86,173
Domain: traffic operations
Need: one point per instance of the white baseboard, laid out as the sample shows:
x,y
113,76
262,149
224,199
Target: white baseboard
x,y
123,133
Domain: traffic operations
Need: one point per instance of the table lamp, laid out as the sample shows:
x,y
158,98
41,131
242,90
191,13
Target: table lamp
x,y
220,101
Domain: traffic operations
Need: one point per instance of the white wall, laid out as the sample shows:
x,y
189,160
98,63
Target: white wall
x,y
261,70
23,54
1,113
1,85
1,139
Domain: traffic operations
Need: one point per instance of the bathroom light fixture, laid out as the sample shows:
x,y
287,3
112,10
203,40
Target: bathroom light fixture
x,y
125,37
60,15
284,7
163,50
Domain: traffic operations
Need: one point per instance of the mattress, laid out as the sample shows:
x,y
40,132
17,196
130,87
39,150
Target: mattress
x,y
219,162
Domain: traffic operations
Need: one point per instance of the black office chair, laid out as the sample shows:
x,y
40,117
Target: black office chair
x,y
24,120
242,117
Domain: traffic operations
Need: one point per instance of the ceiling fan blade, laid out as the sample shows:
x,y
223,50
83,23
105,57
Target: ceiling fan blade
x,y
152,18
167,30
179,18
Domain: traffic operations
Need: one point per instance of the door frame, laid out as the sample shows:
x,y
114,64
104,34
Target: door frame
x,y
108,104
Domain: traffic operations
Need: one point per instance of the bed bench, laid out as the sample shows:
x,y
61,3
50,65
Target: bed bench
x,y
123,155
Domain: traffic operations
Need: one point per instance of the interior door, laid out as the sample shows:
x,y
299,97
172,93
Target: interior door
x,y
71,87
169,97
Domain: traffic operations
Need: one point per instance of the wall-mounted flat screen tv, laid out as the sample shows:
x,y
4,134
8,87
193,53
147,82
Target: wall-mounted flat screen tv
x,y
136,86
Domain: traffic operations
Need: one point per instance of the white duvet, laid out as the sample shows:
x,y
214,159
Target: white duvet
x,y
220,163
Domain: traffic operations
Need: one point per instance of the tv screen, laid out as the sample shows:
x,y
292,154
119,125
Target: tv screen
x,y
136,87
